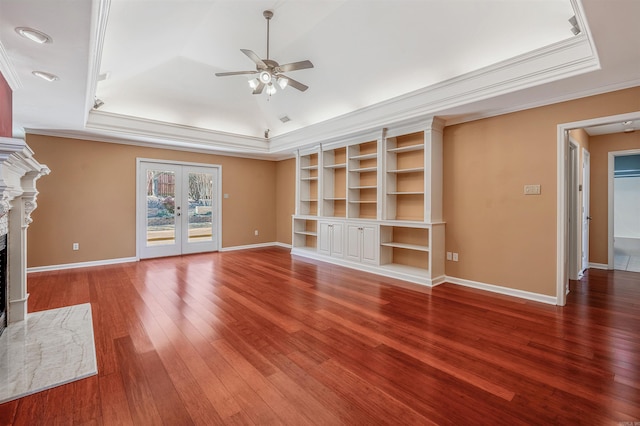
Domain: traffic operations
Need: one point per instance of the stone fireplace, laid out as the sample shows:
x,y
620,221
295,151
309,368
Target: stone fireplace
x,y
19,172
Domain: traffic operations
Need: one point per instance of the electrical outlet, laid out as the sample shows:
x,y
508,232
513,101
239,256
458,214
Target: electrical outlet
x,y
255,232
76,246
455,257
449,257
532,190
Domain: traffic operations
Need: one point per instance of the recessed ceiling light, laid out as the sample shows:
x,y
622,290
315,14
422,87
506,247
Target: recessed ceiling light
x,y
34,35
46,76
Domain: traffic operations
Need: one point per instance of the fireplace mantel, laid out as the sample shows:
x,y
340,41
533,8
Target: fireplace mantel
x,y
19,172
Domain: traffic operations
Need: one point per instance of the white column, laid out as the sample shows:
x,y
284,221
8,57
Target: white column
x,y
17,263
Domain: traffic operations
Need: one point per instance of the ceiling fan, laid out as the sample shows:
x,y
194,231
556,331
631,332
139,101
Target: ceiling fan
x,y
269,71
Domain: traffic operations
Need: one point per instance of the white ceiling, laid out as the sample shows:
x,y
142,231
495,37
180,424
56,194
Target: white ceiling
x,y
376,62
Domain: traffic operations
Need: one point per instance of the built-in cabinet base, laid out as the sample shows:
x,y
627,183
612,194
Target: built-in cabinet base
x,y
409,251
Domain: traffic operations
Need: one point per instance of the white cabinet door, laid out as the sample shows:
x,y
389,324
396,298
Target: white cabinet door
x,y
362,243
331,239
324,238
354,240
337,240
369,246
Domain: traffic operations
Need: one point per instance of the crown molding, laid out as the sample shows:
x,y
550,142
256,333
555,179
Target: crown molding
x,y
146,143
180,135
564,59
8,71
547,101
99,15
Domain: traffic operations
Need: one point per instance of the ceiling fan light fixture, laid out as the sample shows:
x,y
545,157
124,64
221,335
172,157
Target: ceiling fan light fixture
x,y
34,35
271,89
283,82
265,77
253,83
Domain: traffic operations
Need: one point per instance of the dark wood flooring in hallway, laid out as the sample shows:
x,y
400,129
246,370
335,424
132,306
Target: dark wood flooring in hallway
x,y
259,337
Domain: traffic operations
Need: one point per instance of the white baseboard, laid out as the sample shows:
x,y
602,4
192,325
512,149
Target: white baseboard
x,y
536,297
283,245
252,246
81,264
135,259
598,265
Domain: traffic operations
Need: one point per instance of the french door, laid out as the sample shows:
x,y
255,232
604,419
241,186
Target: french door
x,y
178,209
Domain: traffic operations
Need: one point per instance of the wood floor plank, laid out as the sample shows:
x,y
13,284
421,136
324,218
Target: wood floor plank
x,y
137,388
260,337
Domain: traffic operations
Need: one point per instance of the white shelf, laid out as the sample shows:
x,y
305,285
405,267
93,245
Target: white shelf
x,y
309,178
314,167
406,246
407,148
311,200
364,156
412,170
336,166
335,198
364,169
364,187
313,234
406,270
406,193
363,202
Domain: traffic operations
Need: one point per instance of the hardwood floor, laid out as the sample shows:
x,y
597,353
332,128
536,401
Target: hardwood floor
x,y
258,337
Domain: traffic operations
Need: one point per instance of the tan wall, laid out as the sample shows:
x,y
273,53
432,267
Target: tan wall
x,y
89,198
285,199
504,237
599,147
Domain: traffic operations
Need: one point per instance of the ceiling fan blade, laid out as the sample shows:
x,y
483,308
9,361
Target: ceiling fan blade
x,y
295,84
224,74
255,58
296,66
259,89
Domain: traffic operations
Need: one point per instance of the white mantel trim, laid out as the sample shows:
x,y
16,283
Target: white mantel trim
x,y
19,172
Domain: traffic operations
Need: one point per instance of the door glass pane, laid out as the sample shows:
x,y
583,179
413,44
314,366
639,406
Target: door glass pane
x,y
161,220
200,207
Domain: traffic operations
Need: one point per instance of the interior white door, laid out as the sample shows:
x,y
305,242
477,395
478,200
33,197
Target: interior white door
x,y
177,209
586,218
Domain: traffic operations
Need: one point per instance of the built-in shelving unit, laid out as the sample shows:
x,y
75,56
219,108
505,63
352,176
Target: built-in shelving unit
x,y
405,248
334,175
378,203
404,198
305,234
363,180
308,169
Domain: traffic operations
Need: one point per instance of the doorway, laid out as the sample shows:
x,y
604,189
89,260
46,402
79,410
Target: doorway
x,y
178,208
563,228
624,209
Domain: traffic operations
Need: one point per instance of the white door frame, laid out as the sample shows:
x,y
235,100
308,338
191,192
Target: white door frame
x,y
610,201
586,209
572,214
140,206
562,227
